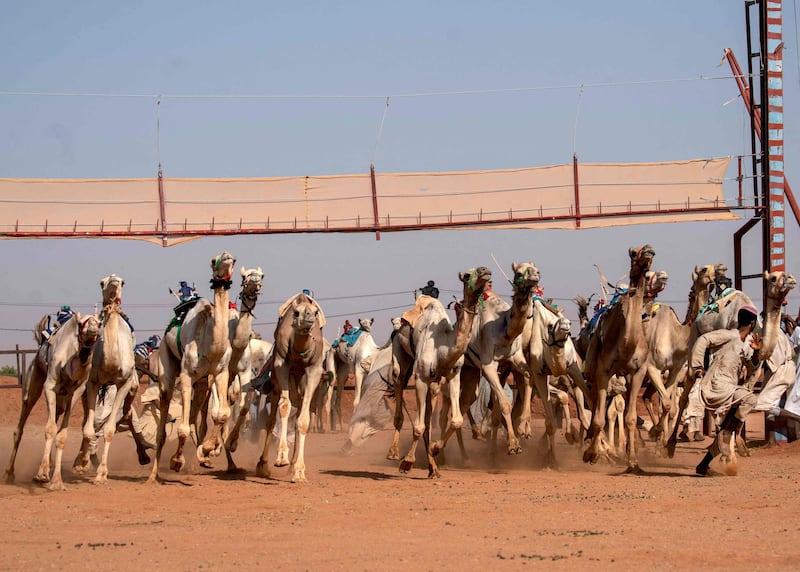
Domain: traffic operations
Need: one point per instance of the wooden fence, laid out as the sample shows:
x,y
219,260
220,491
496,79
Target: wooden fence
x,y
22,365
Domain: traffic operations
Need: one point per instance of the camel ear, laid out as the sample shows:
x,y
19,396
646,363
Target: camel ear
x,y
243,272
632,252
766,275
103,282
213,262
514,266
260,271
463,276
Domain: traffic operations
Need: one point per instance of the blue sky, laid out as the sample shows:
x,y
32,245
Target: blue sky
x,y
336,63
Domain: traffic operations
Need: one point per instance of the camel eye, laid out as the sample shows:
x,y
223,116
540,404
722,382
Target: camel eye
x,y
296,313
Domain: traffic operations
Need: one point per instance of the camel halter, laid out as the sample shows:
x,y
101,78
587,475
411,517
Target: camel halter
x,y
248,300
81,332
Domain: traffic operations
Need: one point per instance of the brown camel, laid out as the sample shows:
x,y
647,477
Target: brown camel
x,y
428,343
193,348
60,368
619,347
298,359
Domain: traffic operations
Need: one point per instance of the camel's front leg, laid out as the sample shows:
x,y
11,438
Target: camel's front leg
x,y
549,418
50,428
57,484
262,467
396,375
220,413
110,426
89,442
31,394
672,442
421,393
580,394
631,417
432,397
185,384
284,407
502,404
311,381
599,444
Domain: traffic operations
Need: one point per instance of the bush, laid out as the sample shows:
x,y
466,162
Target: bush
x,y
8,370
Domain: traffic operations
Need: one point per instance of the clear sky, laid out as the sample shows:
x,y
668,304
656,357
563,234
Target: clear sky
x,y
657,108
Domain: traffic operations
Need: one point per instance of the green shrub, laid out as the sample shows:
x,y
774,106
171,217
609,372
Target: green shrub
x,y
8,370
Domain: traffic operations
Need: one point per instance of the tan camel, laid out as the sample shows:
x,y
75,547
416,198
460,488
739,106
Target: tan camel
x,y
60,368
113,363
193,348
722,313
298,361
618,346
322,403
428,343
494,343
668,344
356,358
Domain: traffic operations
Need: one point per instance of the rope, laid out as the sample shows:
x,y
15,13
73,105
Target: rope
x,y
380,130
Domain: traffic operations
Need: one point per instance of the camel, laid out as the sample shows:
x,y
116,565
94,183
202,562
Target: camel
x,y
668,344
548,350
581,341
355,358
322,404
724,315
197,346
61,367
428,343
241,333
113,363
298,361
618,346
495,343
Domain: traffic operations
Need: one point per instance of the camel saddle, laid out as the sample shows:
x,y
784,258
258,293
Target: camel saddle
x,y
412,315
719,304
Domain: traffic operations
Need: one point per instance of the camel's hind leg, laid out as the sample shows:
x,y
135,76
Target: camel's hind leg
x,y
31,394
89,401
549,418
262,468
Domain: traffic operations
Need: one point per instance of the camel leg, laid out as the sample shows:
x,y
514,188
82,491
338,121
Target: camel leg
x,y
220,414
166,388
427,436
232,441
89,400
571,433
421,393
631,418
50,428
549,418
522,405
56,483
110,428
580,393
132,418
281,372
30,395
358,380
598,445
312,379
398,375
262,468
672,442
178,461
500,401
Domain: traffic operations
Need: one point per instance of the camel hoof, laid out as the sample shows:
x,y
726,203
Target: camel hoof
x,y
40,478
436,448
590,456
434,474
405,466
634,470
299,478
144,458
79,468
234,470
392,456
177,462
56,487
98,480
262,470
151,480
8,478
671,448
515,450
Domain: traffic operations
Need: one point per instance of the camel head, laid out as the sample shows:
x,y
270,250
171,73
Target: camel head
x,y
641,259
304,314
222,270
526,276
396,323
252,281
366,325
475,281
703,276
88,330
559,331
654,282
111,286
779,284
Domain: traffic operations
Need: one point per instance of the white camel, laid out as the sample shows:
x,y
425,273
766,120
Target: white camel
x,y
60,368
355,357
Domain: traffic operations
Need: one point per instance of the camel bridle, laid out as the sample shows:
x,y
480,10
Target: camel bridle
x,y
222,281
251,287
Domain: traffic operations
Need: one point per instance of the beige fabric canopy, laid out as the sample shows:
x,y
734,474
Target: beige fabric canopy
x,y
171,210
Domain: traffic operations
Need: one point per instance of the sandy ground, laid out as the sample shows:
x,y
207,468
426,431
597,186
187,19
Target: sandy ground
x,y
360,513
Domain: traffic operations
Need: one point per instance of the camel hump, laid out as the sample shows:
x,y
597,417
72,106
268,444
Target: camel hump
x,y
412,315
